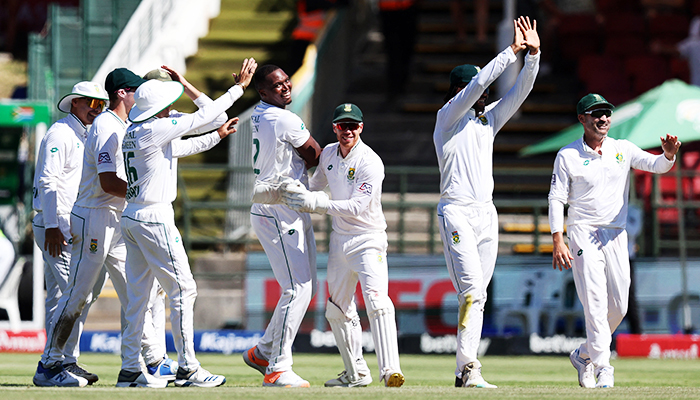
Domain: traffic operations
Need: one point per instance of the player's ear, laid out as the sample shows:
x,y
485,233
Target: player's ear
x,y
581,118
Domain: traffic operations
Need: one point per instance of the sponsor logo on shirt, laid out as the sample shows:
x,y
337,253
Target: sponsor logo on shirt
x,y
330,167
55,149
93,246
620,159
291,232
173,121
483,120
455,237
351,174
586,162
103,158
365,188
303,126
554,179
579,252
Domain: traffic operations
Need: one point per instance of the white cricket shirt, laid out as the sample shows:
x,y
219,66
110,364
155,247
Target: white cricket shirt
x,y
58,169
276,135
356,188
464,142
596,186
102,154
151,149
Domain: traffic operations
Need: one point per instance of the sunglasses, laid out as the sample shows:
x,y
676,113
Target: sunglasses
x,y
598,113
95,103
344,126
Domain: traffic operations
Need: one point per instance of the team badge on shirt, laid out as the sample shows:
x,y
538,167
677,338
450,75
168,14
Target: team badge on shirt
x,y
365,188
483,120
379,258
620,159
351,174
455,237
93,246
103,158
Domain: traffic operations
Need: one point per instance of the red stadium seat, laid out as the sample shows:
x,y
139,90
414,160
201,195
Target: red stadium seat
x,y
646,72
624,45
668,28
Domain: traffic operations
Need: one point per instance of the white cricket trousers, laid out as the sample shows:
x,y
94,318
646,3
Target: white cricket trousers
x,y
602,276
155,251
288,240
470,241
357,257
56,275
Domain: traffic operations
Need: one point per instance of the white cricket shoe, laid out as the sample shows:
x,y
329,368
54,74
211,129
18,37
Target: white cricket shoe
x,y
606,379
343,380
57,376
585,370
199,378
284,379
139,379
165,369
471,377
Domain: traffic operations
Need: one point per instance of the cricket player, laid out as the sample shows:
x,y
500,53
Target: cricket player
x,y
151,147
282,151
464,133
592,176
354,173
56,180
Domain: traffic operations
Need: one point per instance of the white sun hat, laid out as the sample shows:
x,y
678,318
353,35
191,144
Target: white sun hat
x,y
153,97
82,89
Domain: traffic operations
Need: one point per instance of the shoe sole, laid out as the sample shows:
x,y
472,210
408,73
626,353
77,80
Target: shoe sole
x,y
43,384
395,380
186,383
360,383
253,365
303,385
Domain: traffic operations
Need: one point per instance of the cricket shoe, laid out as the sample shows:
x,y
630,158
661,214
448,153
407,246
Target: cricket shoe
x,y
77,370
284,379
343,380
199,378
585,370
392,378
164,369
606,379
139,379
255,359
57,376
471,377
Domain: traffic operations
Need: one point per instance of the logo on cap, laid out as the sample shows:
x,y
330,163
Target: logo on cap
x,y
348,107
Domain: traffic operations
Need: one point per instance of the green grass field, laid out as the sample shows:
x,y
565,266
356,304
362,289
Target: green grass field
x,y
427,377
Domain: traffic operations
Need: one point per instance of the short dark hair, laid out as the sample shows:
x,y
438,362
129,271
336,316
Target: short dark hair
x,y
261,74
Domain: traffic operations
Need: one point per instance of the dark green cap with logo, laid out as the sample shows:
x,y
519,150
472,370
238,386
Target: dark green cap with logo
x,y
347,111
122,78
463,74
591,100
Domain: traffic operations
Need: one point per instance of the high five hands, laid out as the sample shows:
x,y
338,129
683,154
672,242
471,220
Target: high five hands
x,y
525,36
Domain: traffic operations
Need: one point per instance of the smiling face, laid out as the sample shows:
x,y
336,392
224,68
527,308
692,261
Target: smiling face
x,y
348,133
595,125
277,90
82,108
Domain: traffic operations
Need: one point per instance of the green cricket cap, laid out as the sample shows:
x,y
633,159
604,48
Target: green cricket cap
x,y
463,74
591,100
158,73
347,111
122,78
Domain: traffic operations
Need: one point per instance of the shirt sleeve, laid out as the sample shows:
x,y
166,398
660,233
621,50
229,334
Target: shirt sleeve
x,y
202,101
368,180
319,180
558,194
457,107
55,153
107,146
169,129
515,97
293,130
645,161
194,145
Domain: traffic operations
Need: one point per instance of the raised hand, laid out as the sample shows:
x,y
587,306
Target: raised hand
x,y
518,38
247,71
670,146
176,76
228,128
529,32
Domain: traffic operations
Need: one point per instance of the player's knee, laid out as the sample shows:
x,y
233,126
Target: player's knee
x,y
378,304
335,313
